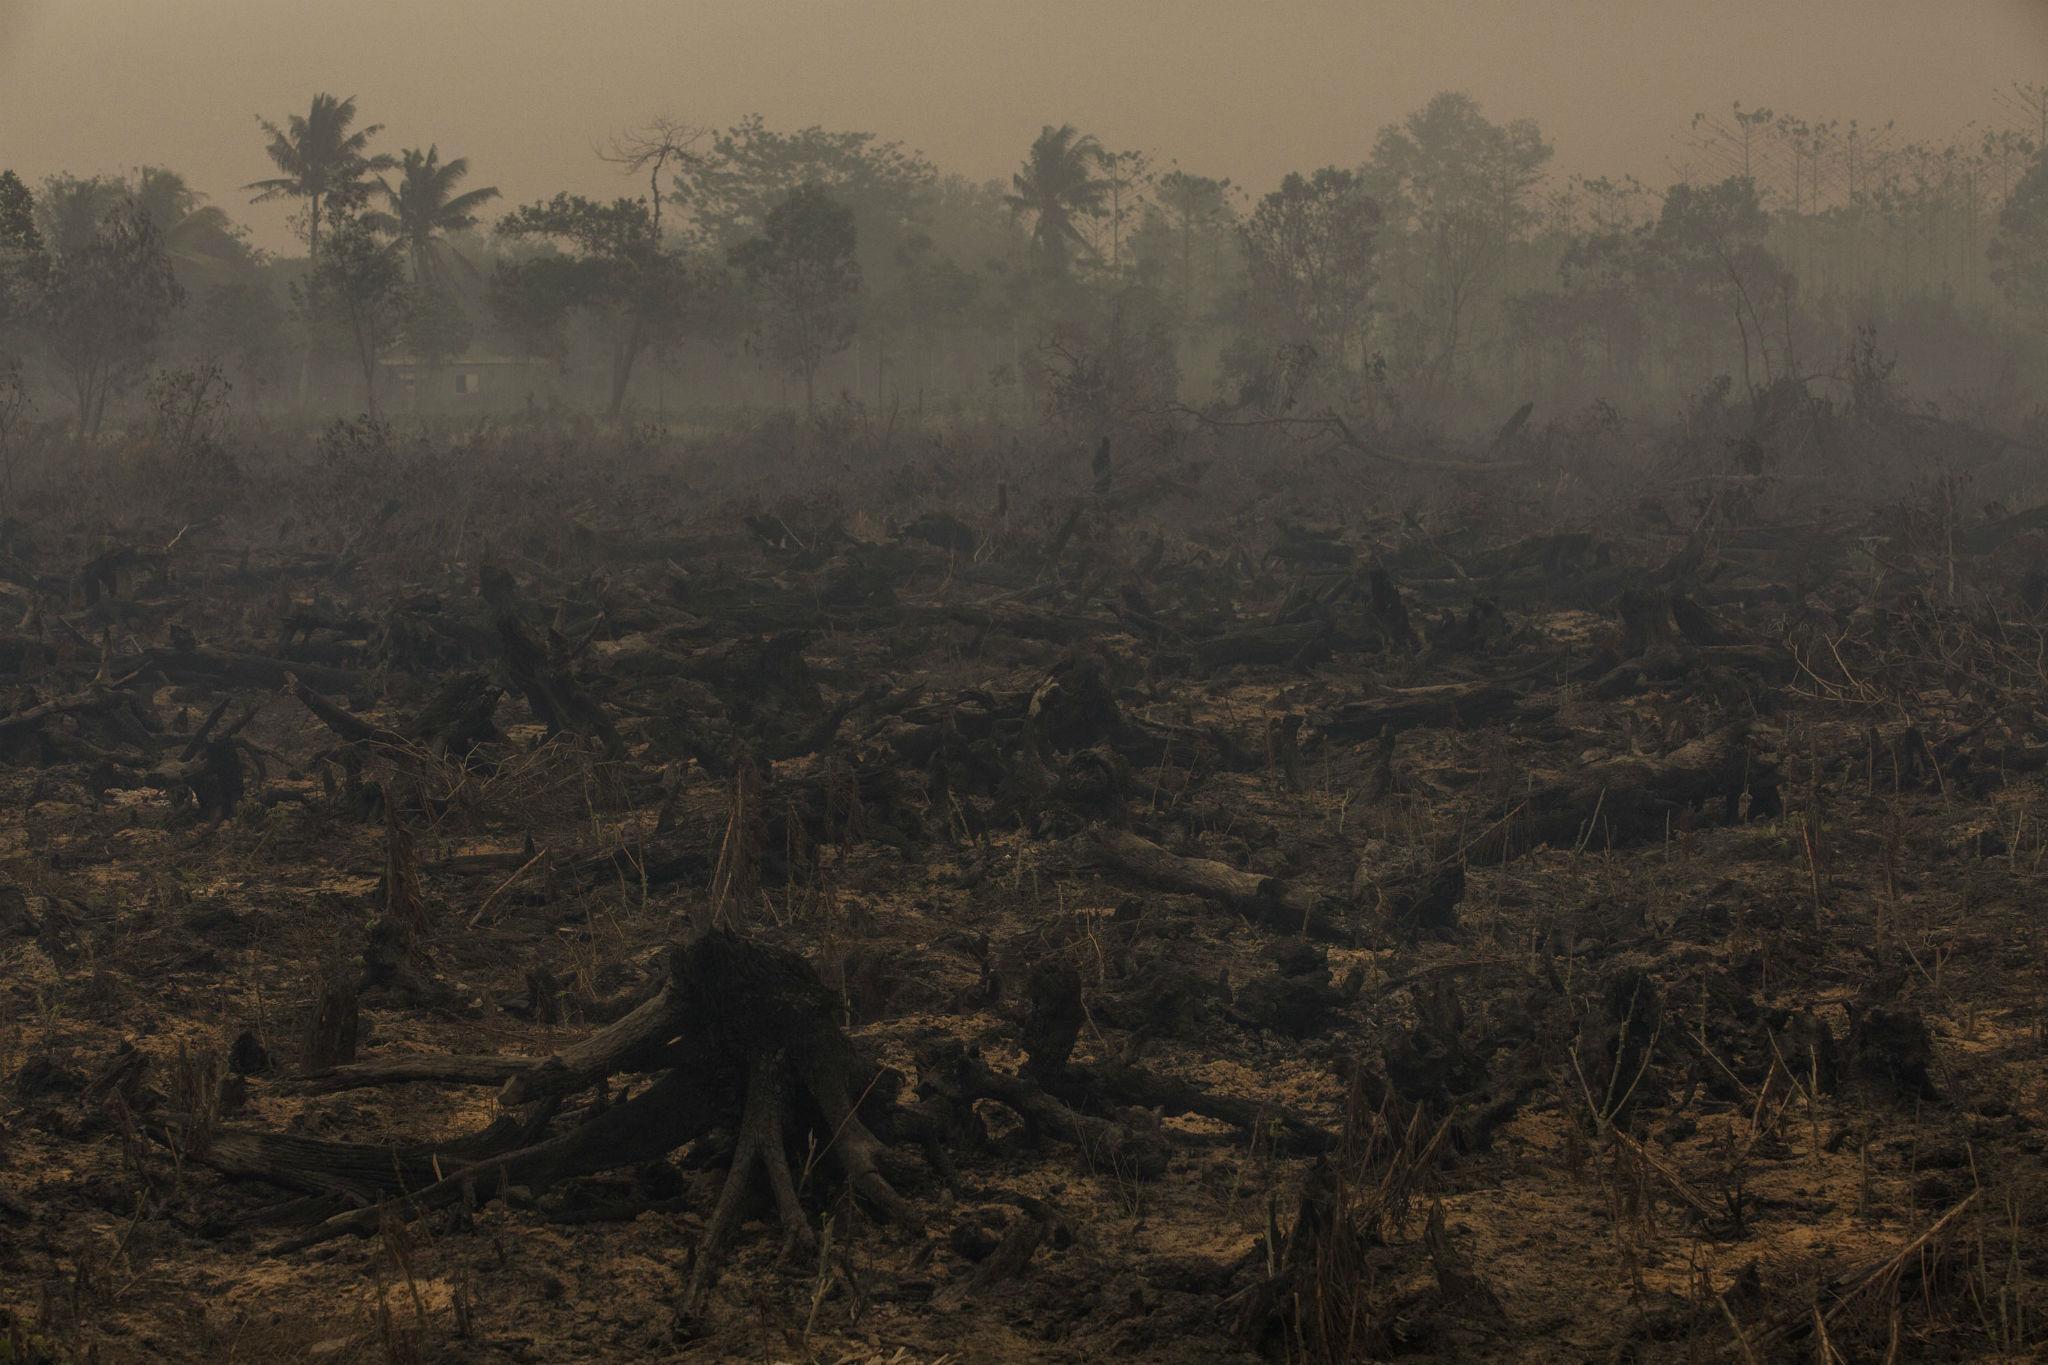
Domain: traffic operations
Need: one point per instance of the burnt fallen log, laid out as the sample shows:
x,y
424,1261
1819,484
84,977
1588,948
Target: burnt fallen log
x,y
1112,1087
233,669
456,719
1279,905
1675,664
1301,645
1437,705
1628,799
958,1077
479,1070
342,721
95,698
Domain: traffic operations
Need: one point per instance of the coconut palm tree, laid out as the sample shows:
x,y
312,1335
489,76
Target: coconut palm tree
x,y
321,160
196,234
193,233
424,207
1057,186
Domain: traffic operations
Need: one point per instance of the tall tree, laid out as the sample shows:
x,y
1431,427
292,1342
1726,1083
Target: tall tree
x,y
1058,186
930,294
1310,249
806,281
2019,253
322,158
357,286
1127,177
662,142
1190,218
22,256
70,208
1455,188
104,309
747,171
241,325
425,204
1705,260
750,169
605,265
201,241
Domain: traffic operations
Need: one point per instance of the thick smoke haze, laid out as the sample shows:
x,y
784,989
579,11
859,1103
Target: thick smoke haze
x,y
1250,91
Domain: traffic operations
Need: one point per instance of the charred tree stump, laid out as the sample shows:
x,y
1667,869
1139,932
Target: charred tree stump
x,y
558,700
743,1038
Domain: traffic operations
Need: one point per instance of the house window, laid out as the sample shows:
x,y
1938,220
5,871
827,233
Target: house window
x,y
466,381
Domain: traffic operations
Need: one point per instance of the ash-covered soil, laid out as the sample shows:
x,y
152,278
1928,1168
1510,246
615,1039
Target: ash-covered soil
x,y
549,904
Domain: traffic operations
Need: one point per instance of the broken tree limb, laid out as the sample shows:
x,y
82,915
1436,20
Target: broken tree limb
x,y
246,670
342,721
634,1043
451,1070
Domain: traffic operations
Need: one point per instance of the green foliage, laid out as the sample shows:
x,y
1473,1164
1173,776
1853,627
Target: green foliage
x,y
2019,254
1187,243
357,289
198,236
436,326
893,193
1114,374
1697,284
425,204
1058,187
241,324
22,257
105,307
751,169
806,281
70,209
322,158
607,266
1311,256
1456,190
1446,163
931,294
188,410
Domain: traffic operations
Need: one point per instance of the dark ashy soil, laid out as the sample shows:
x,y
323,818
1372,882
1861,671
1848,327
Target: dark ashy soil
x,y
557,903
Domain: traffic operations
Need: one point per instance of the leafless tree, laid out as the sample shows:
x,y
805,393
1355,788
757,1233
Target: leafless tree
x,y
654,147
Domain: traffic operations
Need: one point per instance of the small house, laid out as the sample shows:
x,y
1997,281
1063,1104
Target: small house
x,y
467,383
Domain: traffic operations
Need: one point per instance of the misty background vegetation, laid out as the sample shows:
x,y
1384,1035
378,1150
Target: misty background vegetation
x,y
1423,291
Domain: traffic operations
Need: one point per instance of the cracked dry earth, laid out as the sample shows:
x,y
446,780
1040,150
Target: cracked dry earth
x,y
774,932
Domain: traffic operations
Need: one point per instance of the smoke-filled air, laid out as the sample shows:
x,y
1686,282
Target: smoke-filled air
x,y
890,683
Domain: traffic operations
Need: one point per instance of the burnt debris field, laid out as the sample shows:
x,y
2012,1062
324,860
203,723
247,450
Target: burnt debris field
x,y
1257,895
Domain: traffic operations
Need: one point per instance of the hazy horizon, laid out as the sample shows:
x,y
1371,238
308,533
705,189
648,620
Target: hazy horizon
x,y
527,92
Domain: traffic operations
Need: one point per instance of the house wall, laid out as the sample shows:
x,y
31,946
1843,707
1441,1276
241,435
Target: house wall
x,y
458,388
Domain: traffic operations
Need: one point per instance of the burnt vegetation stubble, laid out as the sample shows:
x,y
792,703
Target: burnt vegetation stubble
x,y
925,915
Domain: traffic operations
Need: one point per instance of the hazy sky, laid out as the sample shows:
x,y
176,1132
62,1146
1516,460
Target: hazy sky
x,y
1245,88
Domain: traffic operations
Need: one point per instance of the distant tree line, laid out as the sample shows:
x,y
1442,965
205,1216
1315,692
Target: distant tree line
x,y
1449,266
